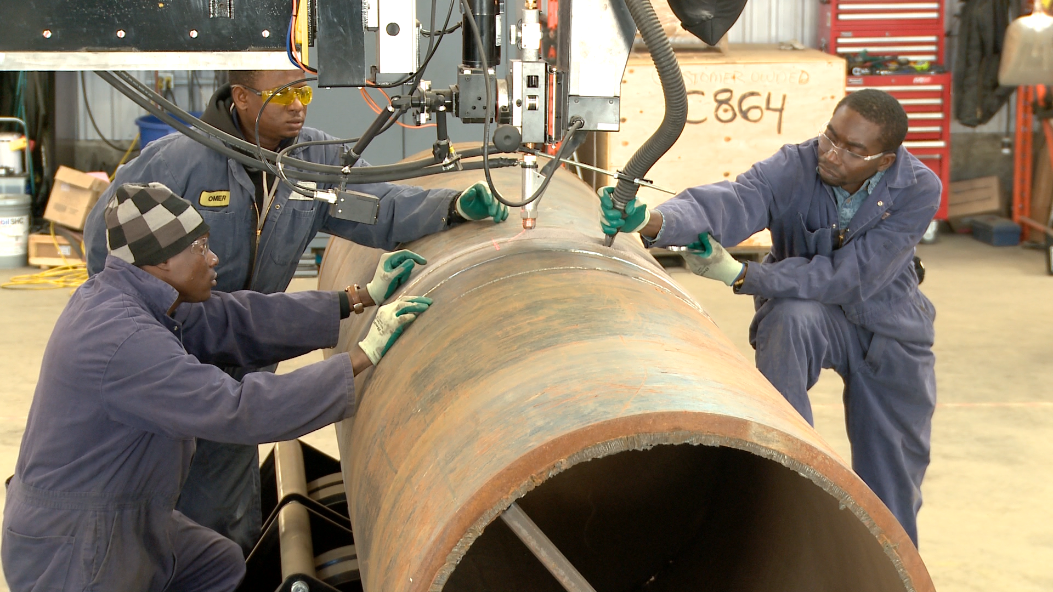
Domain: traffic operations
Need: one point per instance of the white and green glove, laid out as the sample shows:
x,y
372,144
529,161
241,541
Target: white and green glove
x,y
391,320
707,258
613,222
392,271
477,203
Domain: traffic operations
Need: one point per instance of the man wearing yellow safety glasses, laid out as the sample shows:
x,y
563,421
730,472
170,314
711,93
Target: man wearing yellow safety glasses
x,y
259,229
286,96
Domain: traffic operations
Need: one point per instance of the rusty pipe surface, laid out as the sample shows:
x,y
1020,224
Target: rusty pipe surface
x,y
584,384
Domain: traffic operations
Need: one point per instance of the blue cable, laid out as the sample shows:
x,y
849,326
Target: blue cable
x,y
288,42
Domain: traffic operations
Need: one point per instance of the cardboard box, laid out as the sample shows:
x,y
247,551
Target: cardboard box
x,y
72,197
43,251
975,196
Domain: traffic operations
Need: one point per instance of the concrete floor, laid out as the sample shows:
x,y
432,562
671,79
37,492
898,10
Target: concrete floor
x,y
987,523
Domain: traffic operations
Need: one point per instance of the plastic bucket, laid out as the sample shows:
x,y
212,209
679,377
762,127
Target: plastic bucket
x,y
152,128
11,159
14,230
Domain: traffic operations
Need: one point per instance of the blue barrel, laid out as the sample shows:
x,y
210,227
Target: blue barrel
x,y
152,128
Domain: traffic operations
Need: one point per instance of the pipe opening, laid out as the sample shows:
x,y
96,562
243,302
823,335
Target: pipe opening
x,y
684,517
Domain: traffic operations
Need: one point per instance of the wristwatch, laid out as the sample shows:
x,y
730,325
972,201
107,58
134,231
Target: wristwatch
x,y
356,302
737,284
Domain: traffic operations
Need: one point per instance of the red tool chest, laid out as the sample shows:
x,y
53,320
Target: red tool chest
x,y
910,29
927,100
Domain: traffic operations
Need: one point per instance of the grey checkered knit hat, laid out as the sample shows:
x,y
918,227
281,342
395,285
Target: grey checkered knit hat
x,y
148,224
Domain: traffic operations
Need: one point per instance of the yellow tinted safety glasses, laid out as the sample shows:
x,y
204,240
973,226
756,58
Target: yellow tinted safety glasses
x,y
286,96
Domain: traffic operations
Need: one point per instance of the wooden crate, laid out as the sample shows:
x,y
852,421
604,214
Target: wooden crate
x,y
43,251
743,106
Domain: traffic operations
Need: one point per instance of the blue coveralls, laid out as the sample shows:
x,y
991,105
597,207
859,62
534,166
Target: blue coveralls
x,y
124,389
223,490
840,298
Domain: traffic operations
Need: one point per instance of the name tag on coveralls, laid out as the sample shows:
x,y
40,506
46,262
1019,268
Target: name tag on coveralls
x,y
215,199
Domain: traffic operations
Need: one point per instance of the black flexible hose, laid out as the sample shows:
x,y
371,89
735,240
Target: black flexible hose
x,y
212,139
302,165
386,115
246,147
383,174
91,117
296,188
414,166
199,136
675,94
575,128
264,157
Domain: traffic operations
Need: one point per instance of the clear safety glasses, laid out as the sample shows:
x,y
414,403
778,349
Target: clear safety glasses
x,y
200,246
846,155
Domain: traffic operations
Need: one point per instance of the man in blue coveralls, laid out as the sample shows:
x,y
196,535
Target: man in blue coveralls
x,y
260,228
838,289
129,379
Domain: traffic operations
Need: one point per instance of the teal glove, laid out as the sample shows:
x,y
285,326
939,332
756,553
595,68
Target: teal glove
x,y
705,257
393,271
477,203
636,214
391,320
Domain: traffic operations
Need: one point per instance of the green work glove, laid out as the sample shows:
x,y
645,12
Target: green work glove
x,y
477,203
393,271
636,214
705,257
391,320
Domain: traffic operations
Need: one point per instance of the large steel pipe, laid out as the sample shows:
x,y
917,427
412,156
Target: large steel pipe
x,y
582,383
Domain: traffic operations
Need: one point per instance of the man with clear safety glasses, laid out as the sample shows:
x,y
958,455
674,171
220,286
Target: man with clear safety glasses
x,y
839,288
260,228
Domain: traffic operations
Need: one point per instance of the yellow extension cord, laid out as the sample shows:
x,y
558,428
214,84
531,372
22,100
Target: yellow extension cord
x,y
67,275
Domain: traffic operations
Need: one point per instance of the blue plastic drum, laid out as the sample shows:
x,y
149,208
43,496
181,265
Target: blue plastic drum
x,y
152,128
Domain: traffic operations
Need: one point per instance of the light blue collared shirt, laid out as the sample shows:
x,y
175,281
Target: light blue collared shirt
x,y
848,205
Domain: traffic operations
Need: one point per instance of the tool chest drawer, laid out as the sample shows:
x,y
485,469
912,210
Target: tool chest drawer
x,y
916,46
851,15
911,30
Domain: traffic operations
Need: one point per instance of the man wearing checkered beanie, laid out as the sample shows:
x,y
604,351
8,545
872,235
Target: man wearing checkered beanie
x,y
259,229
129,381
147,224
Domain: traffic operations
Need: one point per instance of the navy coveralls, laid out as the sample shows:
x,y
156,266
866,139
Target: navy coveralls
x,y
840,298
124,390
223,490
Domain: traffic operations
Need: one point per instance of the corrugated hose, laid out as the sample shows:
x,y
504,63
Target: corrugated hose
x,y
675,94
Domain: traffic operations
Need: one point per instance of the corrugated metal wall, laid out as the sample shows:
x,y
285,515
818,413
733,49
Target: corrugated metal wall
x,y
762,21
773,21
115,114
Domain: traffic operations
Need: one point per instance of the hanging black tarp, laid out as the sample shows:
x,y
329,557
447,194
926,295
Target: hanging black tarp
x,y
977,94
